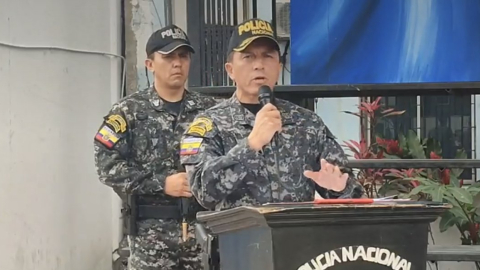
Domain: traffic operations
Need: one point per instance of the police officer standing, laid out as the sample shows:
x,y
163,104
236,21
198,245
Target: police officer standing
x,y
137,154
249,154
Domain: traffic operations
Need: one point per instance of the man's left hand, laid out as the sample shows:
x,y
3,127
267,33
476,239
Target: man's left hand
x,y
329,177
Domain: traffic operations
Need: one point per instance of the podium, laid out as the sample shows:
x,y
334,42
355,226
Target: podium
x,y
313,236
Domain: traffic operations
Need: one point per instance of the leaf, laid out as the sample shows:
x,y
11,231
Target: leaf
x,y
402,142
377,100
448,220
433,146
438,194
414,146
476,201
394,113
421,188
454,181
352,148
476,184
352,113
449,198
357,144
388,156
459,214
423,180
456,172
461,194
390,186
473,190
461,154
387,110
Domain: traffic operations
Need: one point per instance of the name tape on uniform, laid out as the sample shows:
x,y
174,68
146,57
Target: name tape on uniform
x,y
376,255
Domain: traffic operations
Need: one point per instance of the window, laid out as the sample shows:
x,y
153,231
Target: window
x,y
447,119
392,126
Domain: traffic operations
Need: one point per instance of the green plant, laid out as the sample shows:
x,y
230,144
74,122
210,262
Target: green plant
x,y
463,214
371,113
435,184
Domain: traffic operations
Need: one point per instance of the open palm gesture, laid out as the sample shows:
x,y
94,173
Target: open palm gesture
x,y
329,176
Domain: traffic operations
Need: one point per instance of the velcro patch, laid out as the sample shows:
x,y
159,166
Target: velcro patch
x,y
200,127
107,137
190,146
117,122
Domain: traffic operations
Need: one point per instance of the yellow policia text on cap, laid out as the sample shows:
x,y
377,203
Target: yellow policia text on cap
x,y
256,27
252,30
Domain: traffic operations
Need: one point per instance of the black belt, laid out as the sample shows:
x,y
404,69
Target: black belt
x,y
158,212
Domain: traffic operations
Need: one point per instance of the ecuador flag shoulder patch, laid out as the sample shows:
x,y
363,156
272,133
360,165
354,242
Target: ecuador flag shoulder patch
x,y
190,146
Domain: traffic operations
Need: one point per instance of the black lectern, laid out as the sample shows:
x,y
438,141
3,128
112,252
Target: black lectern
x,y
310,236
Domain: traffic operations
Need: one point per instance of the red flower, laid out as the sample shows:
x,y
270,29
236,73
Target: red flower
x,y
370,107
406,173
391,146
445,176
433,155
360,149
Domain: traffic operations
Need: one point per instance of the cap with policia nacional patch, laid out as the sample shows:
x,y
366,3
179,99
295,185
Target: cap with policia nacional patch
x,y
248,31
168,39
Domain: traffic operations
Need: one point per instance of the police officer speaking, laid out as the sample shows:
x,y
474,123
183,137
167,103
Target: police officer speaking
x,y
242,152
137,154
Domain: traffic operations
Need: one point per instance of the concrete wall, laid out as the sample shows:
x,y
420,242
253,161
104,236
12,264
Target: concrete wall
x,y
54,213
143,17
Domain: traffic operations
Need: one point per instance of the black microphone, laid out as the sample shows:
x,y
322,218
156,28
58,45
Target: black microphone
x,y
265,96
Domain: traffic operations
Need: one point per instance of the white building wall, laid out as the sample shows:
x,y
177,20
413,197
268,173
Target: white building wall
x,y
54,213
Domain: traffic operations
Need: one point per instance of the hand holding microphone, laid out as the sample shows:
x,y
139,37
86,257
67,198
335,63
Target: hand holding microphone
x,y
267,122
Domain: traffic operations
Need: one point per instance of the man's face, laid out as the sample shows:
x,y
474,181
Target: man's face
x,y
259,64
170,70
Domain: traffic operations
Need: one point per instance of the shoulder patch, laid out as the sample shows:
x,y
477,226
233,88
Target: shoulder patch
x,y
190,146
112,130
200,127
107,136
117,122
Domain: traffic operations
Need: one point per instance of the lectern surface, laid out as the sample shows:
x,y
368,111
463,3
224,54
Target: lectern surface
x,y
306,236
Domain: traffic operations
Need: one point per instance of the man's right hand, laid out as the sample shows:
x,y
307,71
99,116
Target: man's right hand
x,y
176,185
267,123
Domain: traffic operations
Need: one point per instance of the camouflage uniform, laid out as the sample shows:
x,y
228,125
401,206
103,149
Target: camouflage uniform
x,y
136,148
225,173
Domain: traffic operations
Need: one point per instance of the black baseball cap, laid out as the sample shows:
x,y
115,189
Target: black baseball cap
x,y
168,39
248,31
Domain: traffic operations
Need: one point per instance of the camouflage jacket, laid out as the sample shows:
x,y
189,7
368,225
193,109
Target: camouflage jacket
x,y
137,145
225,173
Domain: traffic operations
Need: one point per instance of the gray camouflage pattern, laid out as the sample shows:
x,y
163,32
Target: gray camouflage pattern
x,y
145,154
159,246
226,173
